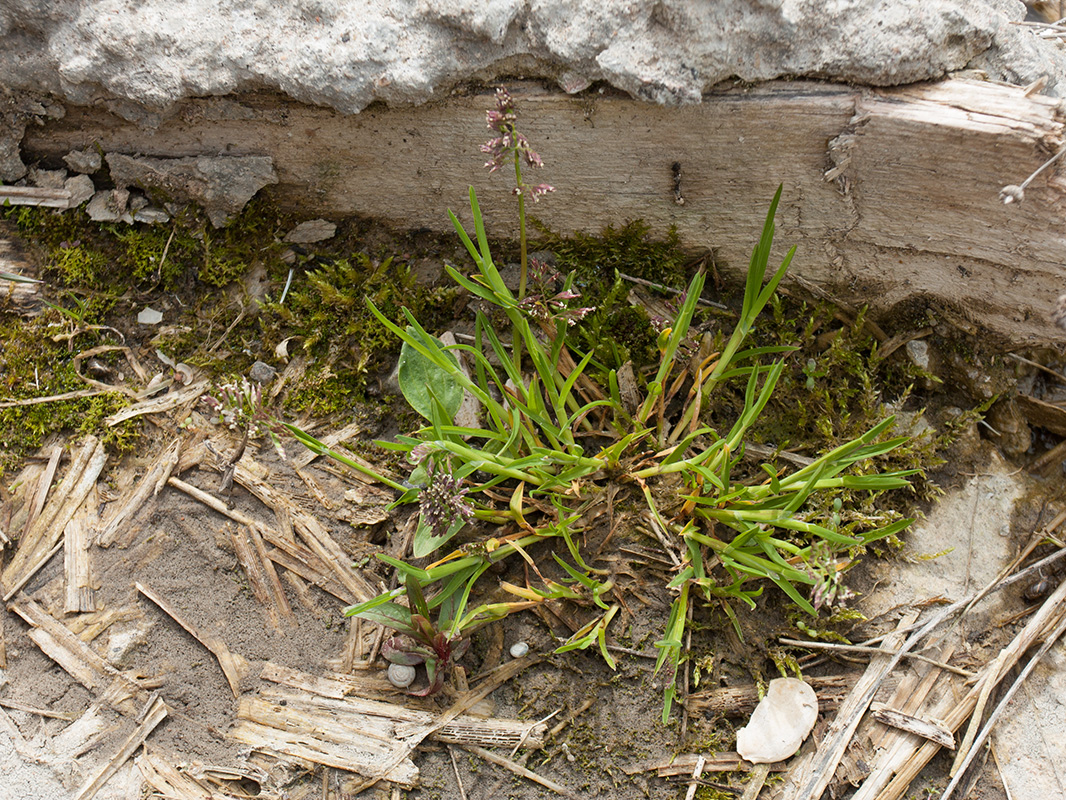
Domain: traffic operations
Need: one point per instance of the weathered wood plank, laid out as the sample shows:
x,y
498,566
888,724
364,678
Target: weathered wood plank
x,y
911,209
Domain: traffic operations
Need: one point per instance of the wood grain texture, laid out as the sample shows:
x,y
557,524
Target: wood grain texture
x,y
910,209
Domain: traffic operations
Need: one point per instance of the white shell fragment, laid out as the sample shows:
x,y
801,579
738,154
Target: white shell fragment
x,y
149,316
401,675
519,649
780,722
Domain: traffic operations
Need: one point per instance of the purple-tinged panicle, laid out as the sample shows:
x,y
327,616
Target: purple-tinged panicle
x,y
543,301
509,142
442,500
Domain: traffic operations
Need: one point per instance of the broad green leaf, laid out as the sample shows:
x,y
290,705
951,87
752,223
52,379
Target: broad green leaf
x,y
423,382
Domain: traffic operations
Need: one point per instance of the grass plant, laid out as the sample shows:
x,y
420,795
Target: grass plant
x,y
554,434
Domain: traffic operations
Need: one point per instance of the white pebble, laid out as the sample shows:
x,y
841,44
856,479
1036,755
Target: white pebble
x,y
401,675
519,649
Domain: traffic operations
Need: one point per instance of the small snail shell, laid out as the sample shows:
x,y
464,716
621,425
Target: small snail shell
x,y
401,675
519,649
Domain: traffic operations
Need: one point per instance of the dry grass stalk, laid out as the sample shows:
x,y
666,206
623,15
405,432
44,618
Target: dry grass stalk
x,y
152,715
960,768
253,569
148,486
339,695
69,716
80,594
896,748
816,773
302,562
47,529
683,765
297,731
465,701
168,782
528,774
1038,626
43,485
32,570
310,529
859,648
156,405
35,196
79,660
926,728
277,593
234,666
759,774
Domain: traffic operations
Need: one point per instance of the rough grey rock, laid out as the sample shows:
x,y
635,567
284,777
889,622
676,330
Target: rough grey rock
x,y
313,230
81,189
48,178
17,108
150,215
261,372
109,206
139,58
221,184
84,161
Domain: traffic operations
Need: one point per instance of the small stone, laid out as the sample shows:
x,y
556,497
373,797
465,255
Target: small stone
x,y
108,206
48,178
137,202
261,372
84,161
81,190
149,316
314,230
401,675
151,216
519,649
221,184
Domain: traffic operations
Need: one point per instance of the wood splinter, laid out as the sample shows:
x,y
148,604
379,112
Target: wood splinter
x,y
234,666
927,729
152,715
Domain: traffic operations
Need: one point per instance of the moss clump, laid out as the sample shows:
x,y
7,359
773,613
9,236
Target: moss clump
x,y
326,308
630,249
31,366
834,388
82,254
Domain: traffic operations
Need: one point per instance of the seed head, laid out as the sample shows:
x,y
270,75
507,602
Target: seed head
x,y
442,500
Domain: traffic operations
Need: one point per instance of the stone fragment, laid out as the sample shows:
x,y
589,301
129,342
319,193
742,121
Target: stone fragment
x,y
1012,432
109,206
48,178
81,190
780,722
84,161
221,184
151,215
313,230
261,372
